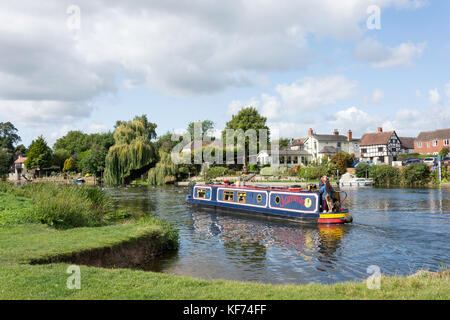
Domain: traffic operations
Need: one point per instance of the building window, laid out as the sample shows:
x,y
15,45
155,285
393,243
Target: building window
x,y
428,144
394,149
435,143
419,144
446,142
364,150
338,144
228,196
380,149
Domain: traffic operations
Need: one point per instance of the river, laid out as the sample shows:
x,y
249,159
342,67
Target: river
x,y
398,230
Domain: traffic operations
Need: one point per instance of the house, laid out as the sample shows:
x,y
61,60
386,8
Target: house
x,y
286,158
407,144
380,147
19,169
319,145
431,142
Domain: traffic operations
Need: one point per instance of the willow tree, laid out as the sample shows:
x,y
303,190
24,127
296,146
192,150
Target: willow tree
x,y
132,150
164,172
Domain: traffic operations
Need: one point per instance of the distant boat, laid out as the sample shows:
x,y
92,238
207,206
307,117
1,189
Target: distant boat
x,y
349,180
79,181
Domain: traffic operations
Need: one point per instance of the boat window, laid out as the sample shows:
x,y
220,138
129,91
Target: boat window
x,y
201,193
259,198
277,200
242,197
228,196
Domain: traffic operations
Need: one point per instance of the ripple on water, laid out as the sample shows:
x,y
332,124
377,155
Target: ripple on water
x,y
399,230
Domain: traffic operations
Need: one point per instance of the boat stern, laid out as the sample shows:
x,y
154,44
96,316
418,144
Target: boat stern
x,y
341,217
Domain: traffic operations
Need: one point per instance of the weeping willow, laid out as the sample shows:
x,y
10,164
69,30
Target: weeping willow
x,y
132,150
164,172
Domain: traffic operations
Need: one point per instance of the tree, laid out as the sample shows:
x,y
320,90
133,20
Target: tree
x,y
59,157
444,152
246,119
362,170
8,136
283,143
132,152
74,142
69,164
20,149
206,128
5,160
39,154
342,160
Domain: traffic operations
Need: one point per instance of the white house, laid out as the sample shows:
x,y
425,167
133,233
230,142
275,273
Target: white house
x,y
19,169
380,147
318,145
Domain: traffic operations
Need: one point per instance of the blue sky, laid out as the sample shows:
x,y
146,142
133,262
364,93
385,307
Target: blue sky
x,y
302,64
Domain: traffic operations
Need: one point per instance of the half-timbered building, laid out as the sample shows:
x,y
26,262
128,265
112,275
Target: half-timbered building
x,y
380,147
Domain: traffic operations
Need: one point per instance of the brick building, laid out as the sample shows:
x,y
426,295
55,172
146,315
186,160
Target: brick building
x,y
431,142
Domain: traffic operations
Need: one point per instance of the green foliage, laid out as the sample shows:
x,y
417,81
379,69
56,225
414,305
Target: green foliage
x,y
206,127
69,165
39,154
15,210
59,158
312,173
385,175
132,149
164,172
341,160
404,156
269,171
20,150
8,136
444,152
63,206
5,160
253,168
247,118
215,172
416,175
362,170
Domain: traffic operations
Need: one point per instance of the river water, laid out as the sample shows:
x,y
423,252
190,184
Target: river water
x,y
398,230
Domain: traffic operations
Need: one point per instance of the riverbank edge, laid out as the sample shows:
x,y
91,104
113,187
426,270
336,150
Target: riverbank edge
x,y
31,243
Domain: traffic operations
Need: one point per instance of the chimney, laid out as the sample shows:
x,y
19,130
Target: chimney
x,y
349,135
336,132
310,132
380,129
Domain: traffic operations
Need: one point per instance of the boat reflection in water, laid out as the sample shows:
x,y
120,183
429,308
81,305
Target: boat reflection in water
x,y
262,239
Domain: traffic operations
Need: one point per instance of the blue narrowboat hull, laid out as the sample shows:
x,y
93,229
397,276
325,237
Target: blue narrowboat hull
x,y
279,203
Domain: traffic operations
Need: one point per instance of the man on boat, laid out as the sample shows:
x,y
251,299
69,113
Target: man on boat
x,y
327,190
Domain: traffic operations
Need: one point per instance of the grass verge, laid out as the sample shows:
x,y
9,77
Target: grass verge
x,y
22,244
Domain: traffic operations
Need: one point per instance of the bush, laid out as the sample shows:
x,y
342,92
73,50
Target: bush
x,y
385,175
215,172
362,169
417,174
269,171
253,168
64,206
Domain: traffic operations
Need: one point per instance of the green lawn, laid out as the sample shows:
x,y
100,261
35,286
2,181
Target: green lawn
x,y
20,244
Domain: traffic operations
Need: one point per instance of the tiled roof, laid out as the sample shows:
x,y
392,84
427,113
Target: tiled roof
x,y
20,160
329,137
407,142
328,149
370,139
432,135
298,142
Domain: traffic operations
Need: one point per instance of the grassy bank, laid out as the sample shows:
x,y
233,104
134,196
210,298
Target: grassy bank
x,y
24,243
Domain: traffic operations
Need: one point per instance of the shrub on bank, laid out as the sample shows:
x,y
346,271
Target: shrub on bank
x,y
416,175
215,172
385,175
63,206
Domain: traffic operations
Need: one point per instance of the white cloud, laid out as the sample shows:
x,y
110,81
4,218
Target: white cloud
x,y
236,105
434,96
378,56
447,91
309,93
378,96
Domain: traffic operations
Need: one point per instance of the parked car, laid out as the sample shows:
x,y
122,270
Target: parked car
x,y
430,161
410,161
446,161
369,162
79,181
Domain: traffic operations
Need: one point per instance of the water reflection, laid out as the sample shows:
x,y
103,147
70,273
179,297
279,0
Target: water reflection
x,y
400,230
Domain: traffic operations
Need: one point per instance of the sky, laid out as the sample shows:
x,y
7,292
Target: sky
x,y
323,64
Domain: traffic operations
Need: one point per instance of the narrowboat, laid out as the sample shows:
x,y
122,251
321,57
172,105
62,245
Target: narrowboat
x,y
291,203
